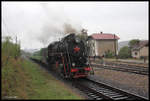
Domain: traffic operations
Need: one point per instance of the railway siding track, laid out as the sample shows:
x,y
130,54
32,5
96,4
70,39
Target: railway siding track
x,y
124,68
97,91
133,64
123,63
128,64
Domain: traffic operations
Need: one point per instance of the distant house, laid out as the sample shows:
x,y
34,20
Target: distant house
x,y
140,50
100,43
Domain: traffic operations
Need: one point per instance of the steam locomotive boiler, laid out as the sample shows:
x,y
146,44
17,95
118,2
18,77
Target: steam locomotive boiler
x,y
70,57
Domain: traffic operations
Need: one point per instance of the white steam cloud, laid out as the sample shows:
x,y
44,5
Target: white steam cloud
x,y
56,24
41,24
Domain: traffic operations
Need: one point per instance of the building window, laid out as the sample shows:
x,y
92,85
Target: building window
x,y
135,53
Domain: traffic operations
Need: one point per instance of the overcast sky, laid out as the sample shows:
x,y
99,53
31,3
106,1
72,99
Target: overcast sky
x,y
37,24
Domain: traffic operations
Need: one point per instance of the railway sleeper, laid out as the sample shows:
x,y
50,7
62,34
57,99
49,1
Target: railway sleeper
x,y
89,93
105,90
95,96
120,98
99,98
116,96
112,94
108,93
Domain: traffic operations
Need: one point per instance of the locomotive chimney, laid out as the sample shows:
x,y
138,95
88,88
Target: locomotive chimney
x,y
101,32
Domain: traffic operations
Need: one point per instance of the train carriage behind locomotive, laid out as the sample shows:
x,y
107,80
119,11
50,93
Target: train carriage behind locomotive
x,y
70,56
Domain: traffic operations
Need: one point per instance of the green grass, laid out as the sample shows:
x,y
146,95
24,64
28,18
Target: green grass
x,y
27,80
24,79
46,86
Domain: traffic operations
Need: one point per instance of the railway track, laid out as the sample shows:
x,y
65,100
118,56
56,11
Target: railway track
x,y
100,91
124,68
129,64
135,64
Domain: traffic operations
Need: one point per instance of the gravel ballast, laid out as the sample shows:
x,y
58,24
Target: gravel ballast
x,y
131,82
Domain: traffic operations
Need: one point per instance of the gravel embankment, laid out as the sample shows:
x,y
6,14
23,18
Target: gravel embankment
x,y
131,82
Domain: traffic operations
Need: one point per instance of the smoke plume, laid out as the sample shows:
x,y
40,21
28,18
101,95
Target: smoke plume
x,y
69,29
56,25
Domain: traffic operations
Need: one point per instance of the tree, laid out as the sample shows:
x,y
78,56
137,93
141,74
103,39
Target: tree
x,y
133,42
124,52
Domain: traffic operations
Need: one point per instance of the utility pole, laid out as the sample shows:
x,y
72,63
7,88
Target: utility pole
x,y
16,39
16,50
115,45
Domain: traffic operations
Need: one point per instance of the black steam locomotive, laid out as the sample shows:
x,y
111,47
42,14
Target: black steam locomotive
x,y
69,56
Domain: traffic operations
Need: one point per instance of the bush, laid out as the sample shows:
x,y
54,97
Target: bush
x,y
9,50
124,52
109,54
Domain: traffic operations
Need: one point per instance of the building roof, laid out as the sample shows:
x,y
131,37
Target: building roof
x,y
104,36
141,44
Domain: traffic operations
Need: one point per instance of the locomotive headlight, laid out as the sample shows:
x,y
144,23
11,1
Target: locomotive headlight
x,y
73,64
77,40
